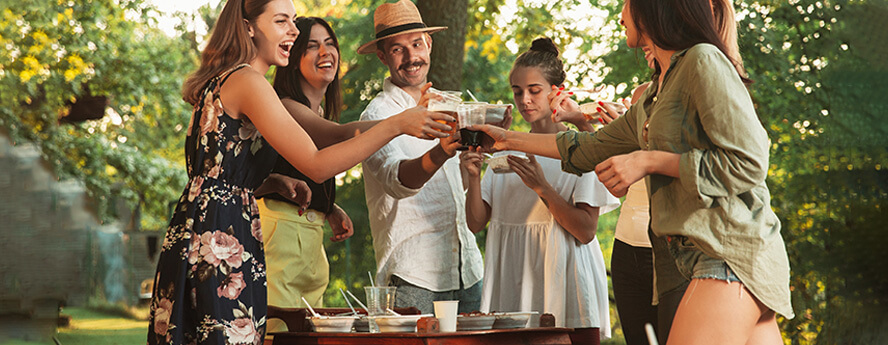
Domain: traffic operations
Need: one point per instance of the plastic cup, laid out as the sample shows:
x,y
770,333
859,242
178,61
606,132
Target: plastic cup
x,y
470,113
379,298
445,311
445,102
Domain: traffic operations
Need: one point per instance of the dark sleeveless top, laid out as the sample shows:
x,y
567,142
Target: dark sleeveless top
x,y
323,195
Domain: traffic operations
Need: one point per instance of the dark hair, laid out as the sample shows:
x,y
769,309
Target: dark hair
x,y
229,45
543,54
288,80
679,24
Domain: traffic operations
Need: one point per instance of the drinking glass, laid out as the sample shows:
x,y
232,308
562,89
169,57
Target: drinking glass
x,y
379,298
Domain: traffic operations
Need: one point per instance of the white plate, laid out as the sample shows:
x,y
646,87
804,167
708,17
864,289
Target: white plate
x,y
475,322
403,323
512,319
335,324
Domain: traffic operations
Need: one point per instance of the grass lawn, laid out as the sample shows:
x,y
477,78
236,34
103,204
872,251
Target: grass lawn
x,y
91,327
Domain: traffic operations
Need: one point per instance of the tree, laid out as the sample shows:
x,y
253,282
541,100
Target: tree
x,y
56,54
447,55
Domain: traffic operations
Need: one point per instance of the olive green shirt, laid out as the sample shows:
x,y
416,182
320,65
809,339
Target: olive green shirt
x,y
720,201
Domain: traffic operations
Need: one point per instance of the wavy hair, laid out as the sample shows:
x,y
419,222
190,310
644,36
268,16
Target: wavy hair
x,y
288,80
229,45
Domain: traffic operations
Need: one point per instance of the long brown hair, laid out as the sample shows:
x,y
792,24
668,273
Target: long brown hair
x,y
723,12
681,24
288,79
229,45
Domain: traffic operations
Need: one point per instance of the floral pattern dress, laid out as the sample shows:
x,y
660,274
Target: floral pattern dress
x,y
210,282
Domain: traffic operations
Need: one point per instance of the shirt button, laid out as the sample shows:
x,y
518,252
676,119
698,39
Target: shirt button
x,y
310,215
454,250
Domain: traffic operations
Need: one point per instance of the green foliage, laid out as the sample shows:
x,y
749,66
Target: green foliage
x,y
56,52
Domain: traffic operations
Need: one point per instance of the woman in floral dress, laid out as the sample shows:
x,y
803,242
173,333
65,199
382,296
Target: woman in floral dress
x,y
210,282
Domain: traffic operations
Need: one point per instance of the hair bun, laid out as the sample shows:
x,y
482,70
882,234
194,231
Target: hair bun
x,y
544,44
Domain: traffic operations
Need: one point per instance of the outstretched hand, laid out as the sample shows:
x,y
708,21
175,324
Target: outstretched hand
x,y
424,124
564,108
494,140
471,161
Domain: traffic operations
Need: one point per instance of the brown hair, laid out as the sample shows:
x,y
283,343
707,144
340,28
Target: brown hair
x,y
723,12
229,45
287,80
543,54
681,24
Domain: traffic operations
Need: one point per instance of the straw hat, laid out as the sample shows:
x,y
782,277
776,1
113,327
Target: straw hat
x,y
393,19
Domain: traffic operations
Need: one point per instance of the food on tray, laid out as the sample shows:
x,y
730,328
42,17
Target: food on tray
x,y
500,164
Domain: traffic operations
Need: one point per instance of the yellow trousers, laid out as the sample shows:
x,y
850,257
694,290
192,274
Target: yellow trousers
x,y
295,261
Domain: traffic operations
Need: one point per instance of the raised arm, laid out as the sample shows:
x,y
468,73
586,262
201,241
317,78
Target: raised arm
x,y
291,141
322,131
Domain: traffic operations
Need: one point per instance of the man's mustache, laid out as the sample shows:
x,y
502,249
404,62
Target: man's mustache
x,y
417,63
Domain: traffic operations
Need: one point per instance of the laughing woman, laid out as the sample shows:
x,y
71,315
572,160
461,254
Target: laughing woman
x,y
294,232
210,281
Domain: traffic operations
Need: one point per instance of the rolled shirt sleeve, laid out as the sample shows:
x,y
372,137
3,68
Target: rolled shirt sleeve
x,y
385,163
734,159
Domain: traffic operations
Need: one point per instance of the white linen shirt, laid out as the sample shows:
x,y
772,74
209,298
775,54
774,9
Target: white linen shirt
x,y
418,234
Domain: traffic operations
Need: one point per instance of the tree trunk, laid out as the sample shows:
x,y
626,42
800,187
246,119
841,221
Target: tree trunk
x,y
448,47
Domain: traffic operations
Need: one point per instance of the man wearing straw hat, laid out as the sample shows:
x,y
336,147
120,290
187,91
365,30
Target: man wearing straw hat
x,y
414,189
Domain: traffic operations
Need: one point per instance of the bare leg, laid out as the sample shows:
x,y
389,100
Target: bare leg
x,y
717,312
766,331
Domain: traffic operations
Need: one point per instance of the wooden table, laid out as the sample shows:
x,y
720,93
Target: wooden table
x,y
530,336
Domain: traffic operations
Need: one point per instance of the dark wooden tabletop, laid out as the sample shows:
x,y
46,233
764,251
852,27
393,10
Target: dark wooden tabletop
x,y
529,336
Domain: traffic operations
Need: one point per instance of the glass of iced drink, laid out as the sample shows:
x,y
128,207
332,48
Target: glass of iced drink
x,y
445,102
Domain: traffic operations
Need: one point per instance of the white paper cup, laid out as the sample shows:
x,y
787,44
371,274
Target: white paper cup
x,y
445,311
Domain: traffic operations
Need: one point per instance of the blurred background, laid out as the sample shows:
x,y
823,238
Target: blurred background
x,y
92,132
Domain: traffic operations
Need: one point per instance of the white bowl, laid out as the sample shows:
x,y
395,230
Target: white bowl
x,y
403,323
512,319
327,324
474,322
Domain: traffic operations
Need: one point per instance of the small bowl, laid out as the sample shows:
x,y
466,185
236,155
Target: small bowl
x,y
512,319
474,322
499,164
403,323
332,324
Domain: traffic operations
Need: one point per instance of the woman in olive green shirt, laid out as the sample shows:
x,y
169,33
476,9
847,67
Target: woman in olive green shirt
x,y
695,136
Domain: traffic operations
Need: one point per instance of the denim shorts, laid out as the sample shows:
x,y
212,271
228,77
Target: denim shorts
x,y
692,263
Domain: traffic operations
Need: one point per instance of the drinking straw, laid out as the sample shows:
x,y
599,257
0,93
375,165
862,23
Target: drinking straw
x,y
309,308
357,300
652,338
371,279
348,302
392,311
471,95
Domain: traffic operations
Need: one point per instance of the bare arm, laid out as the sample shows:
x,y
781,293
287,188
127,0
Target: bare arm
x,y
414,173
292,142
498,139
477,211
322,131
580,220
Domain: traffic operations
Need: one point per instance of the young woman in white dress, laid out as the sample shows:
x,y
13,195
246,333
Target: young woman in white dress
x,y
541,254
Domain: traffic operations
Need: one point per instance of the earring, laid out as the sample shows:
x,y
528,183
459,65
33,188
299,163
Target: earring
x,y
622,22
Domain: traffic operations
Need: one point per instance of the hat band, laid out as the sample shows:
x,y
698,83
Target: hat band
x,y
396,29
